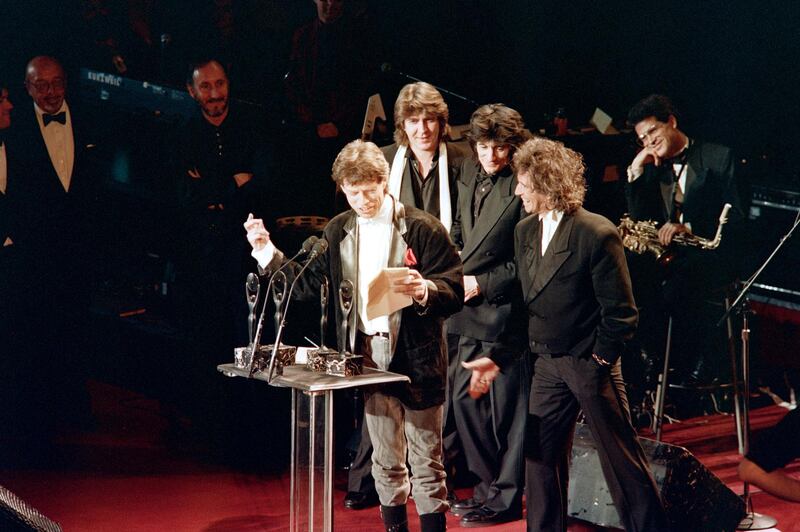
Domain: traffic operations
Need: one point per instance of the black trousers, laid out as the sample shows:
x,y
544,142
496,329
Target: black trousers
x,y
561,387
492,428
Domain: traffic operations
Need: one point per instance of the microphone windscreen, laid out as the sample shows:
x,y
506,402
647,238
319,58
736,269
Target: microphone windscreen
x,y
320,247
308,244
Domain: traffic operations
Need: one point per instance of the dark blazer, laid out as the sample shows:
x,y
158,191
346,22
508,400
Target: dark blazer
x,y
43,211
416,332
456,153
710,183
578,295
487,252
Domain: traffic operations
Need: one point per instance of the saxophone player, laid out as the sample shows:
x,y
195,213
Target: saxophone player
x,y
682,184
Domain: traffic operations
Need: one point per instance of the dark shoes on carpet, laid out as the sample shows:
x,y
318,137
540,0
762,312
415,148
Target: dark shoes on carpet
x,y
464,506
357,500
483,516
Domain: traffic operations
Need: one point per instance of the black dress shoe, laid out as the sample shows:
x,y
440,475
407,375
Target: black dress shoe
x,y
483,516
464,506
357,500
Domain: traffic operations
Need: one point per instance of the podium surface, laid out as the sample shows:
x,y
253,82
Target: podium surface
x,y
312,465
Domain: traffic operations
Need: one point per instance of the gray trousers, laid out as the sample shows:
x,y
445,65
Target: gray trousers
x,y
399,433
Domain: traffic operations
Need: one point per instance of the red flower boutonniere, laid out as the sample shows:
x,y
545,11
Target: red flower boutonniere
x,y
410,260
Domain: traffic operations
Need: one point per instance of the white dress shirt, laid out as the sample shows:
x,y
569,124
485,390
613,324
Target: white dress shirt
x,y
549,221
60,144
374,239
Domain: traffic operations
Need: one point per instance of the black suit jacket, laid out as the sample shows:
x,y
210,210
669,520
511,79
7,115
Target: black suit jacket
x,y
416,332
487,252
44,214
710,183
578,295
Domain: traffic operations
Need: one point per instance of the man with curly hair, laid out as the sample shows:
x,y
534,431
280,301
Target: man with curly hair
x,y
577,293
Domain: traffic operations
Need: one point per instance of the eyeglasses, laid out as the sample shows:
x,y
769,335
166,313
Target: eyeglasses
x,y
57,84
641,140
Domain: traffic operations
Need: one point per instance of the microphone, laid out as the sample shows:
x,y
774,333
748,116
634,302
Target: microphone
x,y
319,247
387,68
308,245
277,275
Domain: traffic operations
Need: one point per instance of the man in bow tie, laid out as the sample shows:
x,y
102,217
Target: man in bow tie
x,y
54,196
682,184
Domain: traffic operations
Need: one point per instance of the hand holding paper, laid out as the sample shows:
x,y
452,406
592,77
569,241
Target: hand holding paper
x,y
383,297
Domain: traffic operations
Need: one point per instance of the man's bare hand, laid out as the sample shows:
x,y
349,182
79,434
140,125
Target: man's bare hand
x,y
646,156
413,285
668,231
257,233
471,287
484,371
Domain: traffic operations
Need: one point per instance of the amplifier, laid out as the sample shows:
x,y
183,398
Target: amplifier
x,y
772,214
772,198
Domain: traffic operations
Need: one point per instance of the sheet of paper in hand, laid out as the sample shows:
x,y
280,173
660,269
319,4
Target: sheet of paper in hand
x,y
381,300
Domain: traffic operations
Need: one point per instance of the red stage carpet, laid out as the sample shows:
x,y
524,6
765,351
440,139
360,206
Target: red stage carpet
x,y
121,477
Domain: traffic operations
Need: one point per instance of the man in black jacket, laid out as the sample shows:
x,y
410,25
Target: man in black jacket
x,y
577,294
403,420
53,194
682,184
490,428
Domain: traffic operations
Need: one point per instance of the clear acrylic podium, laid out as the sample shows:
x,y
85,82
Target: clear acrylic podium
x,y
312,468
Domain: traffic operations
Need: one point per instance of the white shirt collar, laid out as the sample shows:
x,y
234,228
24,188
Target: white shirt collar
x,y
552,216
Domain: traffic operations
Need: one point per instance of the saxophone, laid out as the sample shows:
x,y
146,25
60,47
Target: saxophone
x,y
642,237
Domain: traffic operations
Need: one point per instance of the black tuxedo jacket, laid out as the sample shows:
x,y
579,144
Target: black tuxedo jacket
x,y
415,331
710,183
44,213
487,252
578,295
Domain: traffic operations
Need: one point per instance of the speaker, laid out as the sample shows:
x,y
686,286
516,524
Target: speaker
x,y
694,498
18,516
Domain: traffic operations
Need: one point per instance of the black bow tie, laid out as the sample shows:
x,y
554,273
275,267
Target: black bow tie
x,y
61,118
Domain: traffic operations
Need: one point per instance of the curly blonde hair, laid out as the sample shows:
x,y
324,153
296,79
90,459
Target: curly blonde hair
x,y
553,170
419,98
360,162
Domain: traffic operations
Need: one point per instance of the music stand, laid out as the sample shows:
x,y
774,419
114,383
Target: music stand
x,y
753,520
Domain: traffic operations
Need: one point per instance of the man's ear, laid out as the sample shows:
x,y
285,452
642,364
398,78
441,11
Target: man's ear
x,y
672,121
190,89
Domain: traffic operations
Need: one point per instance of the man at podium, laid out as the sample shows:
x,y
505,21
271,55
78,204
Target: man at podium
x,y
378,232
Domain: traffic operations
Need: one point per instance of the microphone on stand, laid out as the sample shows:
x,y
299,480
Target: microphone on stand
x,y
307,246
387,68
319,248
